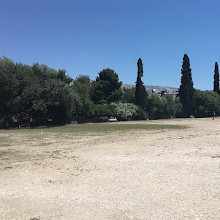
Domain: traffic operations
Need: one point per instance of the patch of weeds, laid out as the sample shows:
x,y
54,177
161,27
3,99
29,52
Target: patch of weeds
x,y
56,151
9,167
43,144
55,157
73,157
216,156
34,218
55,154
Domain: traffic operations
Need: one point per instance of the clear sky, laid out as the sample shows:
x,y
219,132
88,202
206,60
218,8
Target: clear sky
x,y
86,36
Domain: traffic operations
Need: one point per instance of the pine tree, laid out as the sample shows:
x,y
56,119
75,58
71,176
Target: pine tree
x,y
140,91
216,79
186,90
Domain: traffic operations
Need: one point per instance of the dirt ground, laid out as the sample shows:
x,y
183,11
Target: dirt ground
x,y
139,175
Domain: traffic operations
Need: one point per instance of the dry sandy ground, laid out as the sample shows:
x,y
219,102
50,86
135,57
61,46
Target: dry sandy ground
x,y
161,174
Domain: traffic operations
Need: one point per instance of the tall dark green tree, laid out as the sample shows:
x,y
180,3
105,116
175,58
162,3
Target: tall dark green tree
x,y
216,79
140,91
186,90
106,88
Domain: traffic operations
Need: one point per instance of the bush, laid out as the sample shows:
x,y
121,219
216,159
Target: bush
x,y
125,111
162,107
205,103
104,110
140,114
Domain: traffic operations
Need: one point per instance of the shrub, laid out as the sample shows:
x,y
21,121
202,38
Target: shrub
x,y
125,111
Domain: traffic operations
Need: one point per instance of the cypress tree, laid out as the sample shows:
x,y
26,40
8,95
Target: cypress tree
x,y
216,79
186,90
140,91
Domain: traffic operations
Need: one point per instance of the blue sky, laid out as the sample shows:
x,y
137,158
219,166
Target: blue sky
x,y
87,36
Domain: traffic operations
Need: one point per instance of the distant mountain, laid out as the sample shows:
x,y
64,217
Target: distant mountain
x,y
150,88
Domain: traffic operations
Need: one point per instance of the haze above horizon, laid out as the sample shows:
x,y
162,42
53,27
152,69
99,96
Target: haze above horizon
x,y
85,37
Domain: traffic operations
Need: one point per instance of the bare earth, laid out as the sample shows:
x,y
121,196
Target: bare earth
x,y
157,174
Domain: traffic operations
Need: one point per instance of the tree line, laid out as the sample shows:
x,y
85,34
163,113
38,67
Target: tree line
x,y
38,95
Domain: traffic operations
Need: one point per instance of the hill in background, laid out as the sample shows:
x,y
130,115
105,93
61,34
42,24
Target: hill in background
x,y
154,89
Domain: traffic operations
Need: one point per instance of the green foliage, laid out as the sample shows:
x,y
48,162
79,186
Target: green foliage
x,y
140,91
129,111
33,94
140,114
186,91
159,107
58,98
128,95
206,102
8,91
168,106
155,106
216,79
106,88
104,110
125,111
178,107
61,75
83,108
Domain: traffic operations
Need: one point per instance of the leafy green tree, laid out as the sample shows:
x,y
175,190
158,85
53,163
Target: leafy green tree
x,y
63,77
140,114
186,90
205,103
169,106
178,108
83,108
54,95
140,91
33,94
106,88
58,97
28,92
103,111
216,79
8,91
155,106
160,107
128,95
